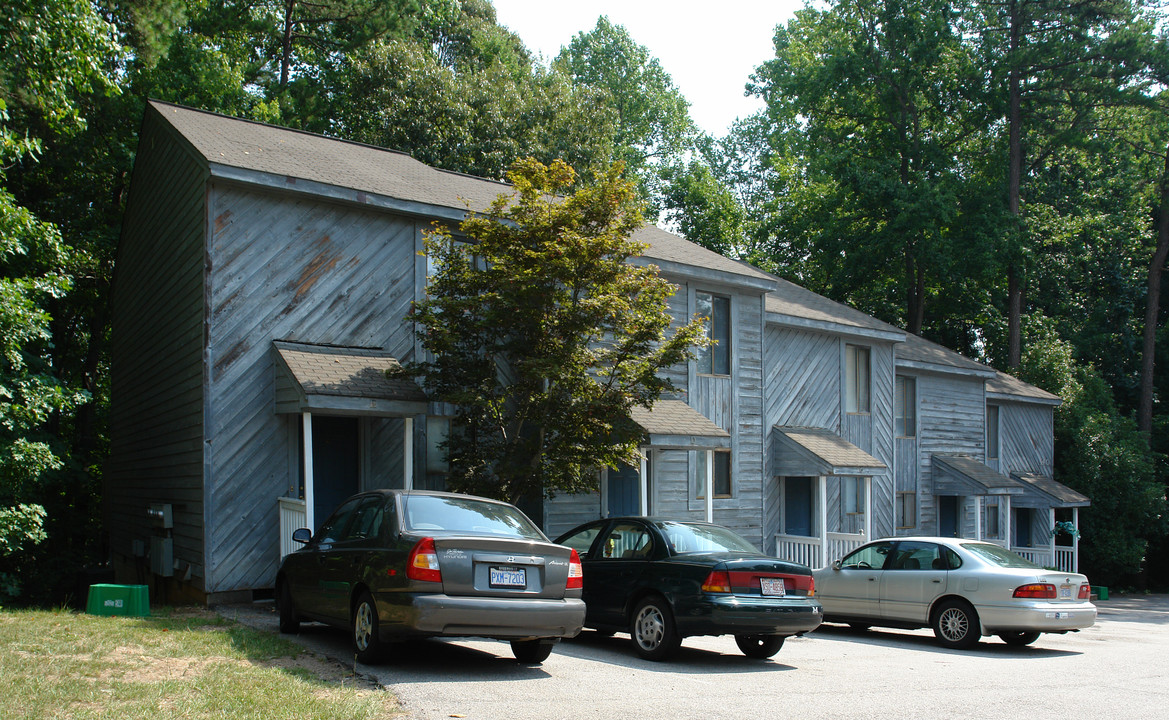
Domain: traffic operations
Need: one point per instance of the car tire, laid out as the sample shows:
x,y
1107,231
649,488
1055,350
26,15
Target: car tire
x,y
759,647
531,652
956,625
367,645
1019,639
289,621
652,629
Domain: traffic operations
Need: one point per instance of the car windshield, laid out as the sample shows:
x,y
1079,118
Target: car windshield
x,y
436,513
687,538
996,555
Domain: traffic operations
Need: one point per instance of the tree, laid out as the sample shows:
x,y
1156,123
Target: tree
x,y
654,129
544,332
870,101
55,51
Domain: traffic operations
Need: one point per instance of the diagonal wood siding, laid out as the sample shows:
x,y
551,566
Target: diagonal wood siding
x,y
1027,439
291,269
951,414
156,375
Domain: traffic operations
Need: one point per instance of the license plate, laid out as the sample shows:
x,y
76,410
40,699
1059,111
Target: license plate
x,y
508,577
772,586
1065,591
1060,615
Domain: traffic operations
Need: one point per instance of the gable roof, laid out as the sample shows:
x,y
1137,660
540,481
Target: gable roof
x,y
921,354
1008,387
819,451
349,379
790,304
295,160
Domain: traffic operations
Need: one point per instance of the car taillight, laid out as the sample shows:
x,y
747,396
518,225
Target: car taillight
x,y
423,562
575,573
1085,592
1040,591
718,581
811,587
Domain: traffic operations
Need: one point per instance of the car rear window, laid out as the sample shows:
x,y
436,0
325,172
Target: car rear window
x,y
996,555
437,514
686,538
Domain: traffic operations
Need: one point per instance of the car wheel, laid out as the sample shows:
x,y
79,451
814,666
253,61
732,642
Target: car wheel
x,y
366,643
531,652
956,625
289,622
759,646
1019,639
654,635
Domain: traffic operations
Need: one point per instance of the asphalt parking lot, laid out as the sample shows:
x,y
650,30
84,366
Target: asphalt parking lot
x,y
1118,668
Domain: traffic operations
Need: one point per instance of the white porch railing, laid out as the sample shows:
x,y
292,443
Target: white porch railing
x,y
807,550
1065,557
292,517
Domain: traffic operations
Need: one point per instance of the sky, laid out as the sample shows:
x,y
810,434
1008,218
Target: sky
x,y
709,48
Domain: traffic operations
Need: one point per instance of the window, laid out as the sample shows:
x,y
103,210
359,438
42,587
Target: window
x,y
715,359
722,475
869,557
992,432
906,510
583,540
856,369
627,541
905,407
913,555
852,504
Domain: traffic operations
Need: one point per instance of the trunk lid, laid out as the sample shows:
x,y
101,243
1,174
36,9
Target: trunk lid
x,y
502,567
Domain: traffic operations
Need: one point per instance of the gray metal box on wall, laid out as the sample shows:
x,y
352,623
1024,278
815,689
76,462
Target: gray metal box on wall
x,y
162,556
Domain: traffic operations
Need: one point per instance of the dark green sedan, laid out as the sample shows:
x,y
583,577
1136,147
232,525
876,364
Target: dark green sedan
x,y
662,580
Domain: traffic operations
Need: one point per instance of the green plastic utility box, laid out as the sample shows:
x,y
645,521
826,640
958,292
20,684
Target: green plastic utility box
x,y
128,600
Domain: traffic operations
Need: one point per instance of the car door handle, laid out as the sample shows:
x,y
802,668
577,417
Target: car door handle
x,y
936,581
872,579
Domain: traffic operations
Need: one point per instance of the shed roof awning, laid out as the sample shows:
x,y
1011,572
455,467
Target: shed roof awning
x,y
674,425
1050,492
817,451
963,475
342,381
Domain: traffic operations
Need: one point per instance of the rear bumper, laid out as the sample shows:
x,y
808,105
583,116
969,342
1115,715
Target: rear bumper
x,y
736,615
503,618
1037,615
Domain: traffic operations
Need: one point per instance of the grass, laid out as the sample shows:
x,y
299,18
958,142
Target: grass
x,y
184,663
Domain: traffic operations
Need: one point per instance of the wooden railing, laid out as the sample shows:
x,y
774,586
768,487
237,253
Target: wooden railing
x,y
1065,557
807,550
292,517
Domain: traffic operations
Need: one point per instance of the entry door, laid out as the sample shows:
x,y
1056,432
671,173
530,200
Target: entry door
x,y
622,492
336,460
948,516
797,506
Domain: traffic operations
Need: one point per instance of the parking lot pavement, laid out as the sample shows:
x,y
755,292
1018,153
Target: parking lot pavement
x,y
1118,668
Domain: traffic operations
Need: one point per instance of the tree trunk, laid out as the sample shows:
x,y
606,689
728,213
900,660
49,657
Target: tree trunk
x,y
1014,184
286,43
1153,308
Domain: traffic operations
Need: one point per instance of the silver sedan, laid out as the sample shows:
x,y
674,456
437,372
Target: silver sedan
x,y
963,589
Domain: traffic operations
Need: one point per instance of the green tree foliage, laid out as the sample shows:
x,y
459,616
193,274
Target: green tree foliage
x,y
654,129
871,100
544,332
1099,452
54,51
462,94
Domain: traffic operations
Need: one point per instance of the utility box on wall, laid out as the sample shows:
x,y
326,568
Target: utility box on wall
x,y
162,556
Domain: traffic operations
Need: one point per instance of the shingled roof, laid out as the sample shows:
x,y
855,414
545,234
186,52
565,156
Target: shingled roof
x,y
919,352
672,424
292,158
789,300
330,377
1009,387
818,451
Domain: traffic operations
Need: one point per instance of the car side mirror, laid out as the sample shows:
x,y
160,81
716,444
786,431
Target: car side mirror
x,y
836,565
301,535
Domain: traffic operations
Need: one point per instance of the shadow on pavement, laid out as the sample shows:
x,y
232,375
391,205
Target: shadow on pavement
x,y
924,641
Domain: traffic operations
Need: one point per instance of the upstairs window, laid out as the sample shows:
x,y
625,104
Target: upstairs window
x,y
856,380
905,407
722,475
715,359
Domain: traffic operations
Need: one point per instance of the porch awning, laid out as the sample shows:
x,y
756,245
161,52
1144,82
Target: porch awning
x,y
1050,493
342,380
817,451
674,425
963,475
